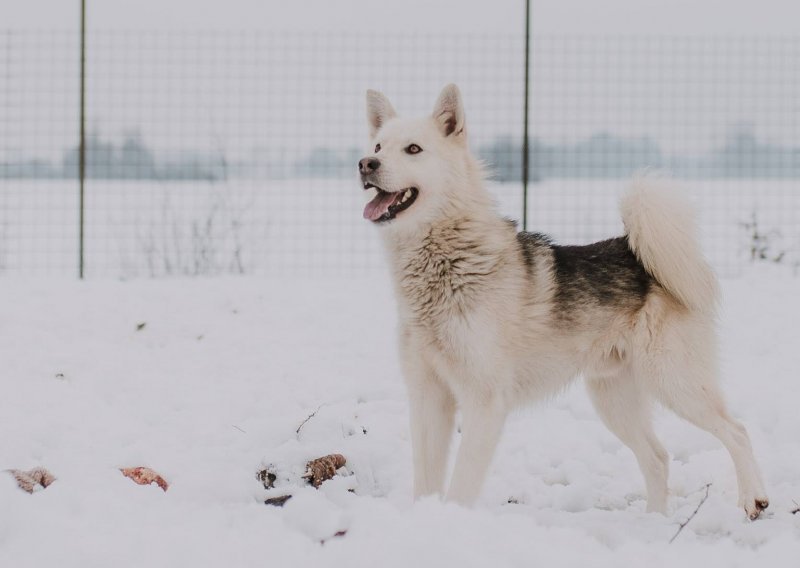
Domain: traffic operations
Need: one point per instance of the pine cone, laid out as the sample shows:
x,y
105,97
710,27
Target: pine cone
x,y
324,468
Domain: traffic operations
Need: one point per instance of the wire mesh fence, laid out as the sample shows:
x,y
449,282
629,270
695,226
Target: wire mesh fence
x,y
719,114
218,152
39,90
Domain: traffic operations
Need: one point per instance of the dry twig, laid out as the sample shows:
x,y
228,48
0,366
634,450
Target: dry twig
x,y
686,522
337,534
309,417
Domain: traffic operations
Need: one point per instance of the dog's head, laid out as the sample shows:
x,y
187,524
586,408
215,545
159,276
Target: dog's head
x,y
416,167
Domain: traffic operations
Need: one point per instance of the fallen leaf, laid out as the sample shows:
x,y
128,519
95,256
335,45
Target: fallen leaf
x,y
28,480
144,476
267,477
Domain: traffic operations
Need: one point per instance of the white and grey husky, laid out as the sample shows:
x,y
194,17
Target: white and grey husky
x,y
491,318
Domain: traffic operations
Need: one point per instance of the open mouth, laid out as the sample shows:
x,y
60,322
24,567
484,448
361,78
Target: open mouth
x,y
387,204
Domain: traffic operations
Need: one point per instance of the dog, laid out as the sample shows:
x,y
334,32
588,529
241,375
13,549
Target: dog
x,y
491,318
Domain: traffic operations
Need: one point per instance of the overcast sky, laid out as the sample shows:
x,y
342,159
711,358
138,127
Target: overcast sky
x,y
686,97
754,17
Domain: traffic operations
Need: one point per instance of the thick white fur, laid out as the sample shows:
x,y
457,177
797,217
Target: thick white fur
x,y
661,228
480,332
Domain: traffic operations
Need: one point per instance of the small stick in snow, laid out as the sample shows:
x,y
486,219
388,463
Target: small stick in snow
x,y
686,522
337,534
796,509
309,417
324,468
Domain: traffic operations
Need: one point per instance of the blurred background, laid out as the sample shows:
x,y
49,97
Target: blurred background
x,y
222,137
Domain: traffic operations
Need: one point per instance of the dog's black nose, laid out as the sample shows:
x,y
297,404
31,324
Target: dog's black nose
x,y
368,165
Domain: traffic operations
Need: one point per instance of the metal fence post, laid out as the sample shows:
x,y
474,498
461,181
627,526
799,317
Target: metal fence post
x,y
525,118
82,143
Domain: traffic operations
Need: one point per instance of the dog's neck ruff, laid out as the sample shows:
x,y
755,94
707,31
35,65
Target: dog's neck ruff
x,y
443,270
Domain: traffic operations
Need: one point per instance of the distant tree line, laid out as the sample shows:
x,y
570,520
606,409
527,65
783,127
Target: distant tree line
x,y
602,155
131,159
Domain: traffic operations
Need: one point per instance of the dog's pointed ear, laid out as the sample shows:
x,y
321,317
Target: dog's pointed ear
x,y
379,111
449,111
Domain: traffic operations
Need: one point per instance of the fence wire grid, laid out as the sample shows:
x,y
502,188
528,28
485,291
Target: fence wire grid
x,y
231,152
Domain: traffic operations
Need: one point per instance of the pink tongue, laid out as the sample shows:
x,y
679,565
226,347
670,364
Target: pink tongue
x,y
380,205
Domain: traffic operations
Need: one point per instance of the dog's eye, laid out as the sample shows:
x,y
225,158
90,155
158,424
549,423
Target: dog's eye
x,y
413,149
377,148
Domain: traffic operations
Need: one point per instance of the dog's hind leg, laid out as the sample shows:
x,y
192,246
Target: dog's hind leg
x,y
626,410
432,416
691,392
482,424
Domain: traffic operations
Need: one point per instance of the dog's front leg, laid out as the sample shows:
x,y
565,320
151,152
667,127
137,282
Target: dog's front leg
x,y
432,414
482,423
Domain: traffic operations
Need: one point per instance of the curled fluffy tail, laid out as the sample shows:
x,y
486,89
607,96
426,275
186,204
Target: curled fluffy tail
x,y
660,224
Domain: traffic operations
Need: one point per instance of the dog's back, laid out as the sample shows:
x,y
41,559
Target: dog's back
x,y
606,273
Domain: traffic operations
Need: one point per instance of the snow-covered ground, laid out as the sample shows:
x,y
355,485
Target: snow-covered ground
x,y
216,382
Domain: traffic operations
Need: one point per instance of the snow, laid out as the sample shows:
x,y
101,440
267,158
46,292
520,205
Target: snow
x,y
216,383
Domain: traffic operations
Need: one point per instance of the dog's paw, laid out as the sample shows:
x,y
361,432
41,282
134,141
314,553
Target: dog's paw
x,y
754,507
